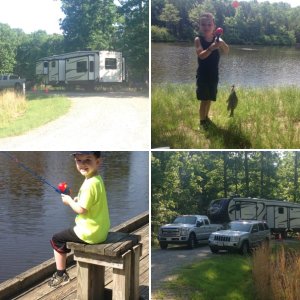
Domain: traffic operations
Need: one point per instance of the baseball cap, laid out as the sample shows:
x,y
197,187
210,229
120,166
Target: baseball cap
x,y
96,153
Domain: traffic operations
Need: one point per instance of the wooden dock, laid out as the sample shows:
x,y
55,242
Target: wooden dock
x,y
33,284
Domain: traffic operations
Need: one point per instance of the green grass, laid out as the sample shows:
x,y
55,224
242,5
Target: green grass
x,y
264,118
40,109
224,277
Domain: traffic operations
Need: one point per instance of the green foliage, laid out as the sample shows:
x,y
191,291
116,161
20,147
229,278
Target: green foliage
x,y
161,34
186,182
88,24
251,23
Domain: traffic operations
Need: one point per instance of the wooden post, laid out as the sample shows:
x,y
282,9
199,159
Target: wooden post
x,y
121,279
135,272
90,281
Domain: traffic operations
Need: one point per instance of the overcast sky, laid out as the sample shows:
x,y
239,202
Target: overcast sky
x,y
32,15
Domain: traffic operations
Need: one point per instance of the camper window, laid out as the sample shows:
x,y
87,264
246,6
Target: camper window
x,y
111,63
238,206
92,68
81,67
280,210
53,64
45,64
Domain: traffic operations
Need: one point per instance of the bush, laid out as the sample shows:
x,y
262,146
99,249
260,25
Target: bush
x,y
161,34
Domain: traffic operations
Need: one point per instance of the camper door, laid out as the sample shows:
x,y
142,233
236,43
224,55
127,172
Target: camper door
x,y
110,66
277,217
53,71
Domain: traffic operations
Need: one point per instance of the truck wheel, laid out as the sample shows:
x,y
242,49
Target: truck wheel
x,y
163,245
214,249
244,250
192,241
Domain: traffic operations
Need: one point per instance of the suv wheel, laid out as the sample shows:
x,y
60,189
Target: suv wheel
x,y
244,250
163,245
214,249
192,241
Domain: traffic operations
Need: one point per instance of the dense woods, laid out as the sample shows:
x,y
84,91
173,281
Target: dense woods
x,y
88,25
186,182
244,22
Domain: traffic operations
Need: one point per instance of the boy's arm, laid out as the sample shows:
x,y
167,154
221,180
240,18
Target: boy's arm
x,y
202,54
67,200
224,46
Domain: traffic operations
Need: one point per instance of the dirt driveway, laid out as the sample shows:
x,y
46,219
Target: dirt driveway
x,y
164,264
106,121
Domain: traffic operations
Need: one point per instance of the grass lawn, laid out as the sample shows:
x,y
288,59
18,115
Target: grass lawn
x,y
264,118
223,277
39,110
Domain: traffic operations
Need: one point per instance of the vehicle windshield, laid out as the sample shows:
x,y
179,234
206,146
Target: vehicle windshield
x,y
239,226
185,220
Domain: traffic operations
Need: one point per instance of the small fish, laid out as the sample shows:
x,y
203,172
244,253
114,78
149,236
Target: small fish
x,y
232,101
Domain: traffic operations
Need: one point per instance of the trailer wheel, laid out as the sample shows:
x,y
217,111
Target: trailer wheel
x,y
163,245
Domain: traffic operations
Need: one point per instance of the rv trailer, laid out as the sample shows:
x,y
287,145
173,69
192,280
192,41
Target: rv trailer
x,y
281,216
85,68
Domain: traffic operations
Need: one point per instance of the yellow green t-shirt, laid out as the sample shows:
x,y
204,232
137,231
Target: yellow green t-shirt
x,y
93,226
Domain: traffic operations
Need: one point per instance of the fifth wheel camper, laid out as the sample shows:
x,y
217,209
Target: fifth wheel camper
x,y
84,68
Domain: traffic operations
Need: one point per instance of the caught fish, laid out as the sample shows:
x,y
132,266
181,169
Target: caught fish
x,y
232,101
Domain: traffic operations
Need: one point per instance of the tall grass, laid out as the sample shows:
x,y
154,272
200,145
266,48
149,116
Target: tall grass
x,y
277,275
12,105
264,118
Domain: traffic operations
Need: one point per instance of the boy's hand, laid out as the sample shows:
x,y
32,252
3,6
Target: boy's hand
x,y
66,199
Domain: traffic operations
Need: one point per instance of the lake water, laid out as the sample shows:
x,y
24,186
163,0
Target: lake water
x,y
31,212
254,66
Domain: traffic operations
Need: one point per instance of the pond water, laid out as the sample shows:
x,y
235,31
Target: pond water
x,y
31,212
253,66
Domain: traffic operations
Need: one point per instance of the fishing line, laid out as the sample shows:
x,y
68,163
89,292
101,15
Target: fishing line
x,y
37,176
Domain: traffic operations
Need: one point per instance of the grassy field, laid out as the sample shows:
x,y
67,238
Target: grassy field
x,y
271,273
224,277
264,118
19,114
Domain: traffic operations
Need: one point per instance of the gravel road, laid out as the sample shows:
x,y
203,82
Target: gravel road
x,y
164,264
106,121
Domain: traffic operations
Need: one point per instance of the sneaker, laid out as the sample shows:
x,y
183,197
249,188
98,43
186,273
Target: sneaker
x,y
204,124
58,280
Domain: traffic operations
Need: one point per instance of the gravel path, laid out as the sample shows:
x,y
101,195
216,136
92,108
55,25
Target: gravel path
x,y
106,121
164,264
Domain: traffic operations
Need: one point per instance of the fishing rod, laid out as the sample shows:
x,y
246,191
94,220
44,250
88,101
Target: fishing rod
x,y
62,187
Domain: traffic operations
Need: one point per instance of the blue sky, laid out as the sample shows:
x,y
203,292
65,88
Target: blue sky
x,y
32,15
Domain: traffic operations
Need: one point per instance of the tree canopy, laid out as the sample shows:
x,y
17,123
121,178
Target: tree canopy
x,y
186,182
247,22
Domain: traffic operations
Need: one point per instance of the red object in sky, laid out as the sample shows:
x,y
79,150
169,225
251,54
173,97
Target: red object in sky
x,y
235,4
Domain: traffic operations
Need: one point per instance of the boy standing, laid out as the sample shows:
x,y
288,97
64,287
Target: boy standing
x,y
92,221
207,49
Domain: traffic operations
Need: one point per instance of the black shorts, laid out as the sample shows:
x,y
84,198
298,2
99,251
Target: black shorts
x,y
59,240
207,91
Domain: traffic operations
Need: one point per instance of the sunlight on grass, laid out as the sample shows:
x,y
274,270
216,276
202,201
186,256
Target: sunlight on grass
x,y
264,118
221,277
37,110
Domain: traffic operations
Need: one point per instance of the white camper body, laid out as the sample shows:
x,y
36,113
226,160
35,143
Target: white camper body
x,y
82,68
279,215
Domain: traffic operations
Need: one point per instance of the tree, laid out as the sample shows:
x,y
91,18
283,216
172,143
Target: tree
x,y
134,37
88,24
170,15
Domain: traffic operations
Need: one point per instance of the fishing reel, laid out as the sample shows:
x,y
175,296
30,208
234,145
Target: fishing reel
x,y
64,189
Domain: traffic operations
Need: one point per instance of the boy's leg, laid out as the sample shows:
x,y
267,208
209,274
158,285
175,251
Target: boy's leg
x,y
204,107
207,108
60,260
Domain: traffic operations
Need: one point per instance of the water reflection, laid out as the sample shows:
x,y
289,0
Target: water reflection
x,y
248,66
32,211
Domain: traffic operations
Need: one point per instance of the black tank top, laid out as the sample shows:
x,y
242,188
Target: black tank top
x,y
208,69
